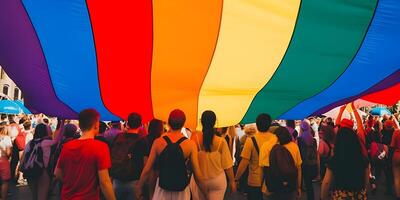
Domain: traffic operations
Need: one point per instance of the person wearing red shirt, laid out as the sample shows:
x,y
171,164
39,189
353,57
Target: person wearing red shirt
x,y
83,164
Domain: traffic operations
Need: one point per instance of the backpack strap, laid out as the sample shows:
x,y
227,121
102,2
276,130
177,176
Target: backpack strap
x,y
166,138
181,140
227,139
198,142
255,144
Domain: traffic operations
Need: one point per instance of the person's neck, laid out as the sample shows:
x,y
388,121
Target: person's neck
x,y
87,135
175,131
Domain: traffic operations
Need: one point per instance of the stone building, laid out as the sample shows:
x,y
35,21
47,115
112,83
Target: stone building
x,y
8,89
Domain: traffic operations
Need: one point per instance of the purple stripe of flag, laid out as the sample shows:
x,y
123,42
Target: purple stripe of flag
x,y
22,58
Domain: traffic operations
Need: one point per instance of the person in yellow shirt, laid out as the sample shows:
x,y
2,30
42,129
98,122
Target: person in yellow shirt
x,y
215,160
250,157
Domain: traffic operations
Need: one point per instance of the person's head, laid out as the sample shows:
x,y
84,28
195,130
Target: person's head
x,y
329,122
291,124
283,135
89,121
27,125
208,119
250,130
328,134
176,120
346,123
3,129
103,127
305,126
11,119
41,131
3,117
263,122
388,125
156,128
224,130
134,121
22,120
70,131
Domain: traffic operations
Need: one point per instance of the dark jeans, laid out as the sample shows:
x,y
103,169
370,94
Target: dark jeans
x,y
254,193
14,161
286,196
308,172
376,170
323,162
388,174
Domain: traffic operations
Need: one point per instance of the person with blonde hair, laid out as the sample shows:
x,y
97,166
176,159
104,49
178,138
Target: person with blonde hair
x,y
5,153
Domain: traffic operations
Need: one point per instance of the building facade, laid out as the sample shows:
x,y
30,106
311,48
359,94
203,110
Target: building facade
x,y
8,89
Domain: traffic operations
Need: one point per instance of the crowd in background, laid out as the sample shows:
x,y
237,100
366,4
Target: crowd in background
x,y
271,159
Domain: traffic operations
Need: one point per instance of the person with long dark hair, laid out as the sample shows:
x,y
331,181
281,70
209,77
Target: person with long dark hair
x,y
38,150
215,159
348,169
325,148
291,126
155,130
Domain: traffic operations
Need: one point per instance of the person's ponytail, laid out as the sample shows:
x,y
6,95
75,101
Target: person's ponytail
x,y
208,119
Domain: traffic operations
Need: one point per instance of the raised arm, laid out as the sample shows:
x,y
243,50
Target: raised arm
x,y
339,117
360,126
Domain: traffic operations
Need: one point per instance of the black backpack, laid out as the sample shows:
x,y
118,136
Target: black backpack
x,y
55,155
173,170
309,156
122,158
308,152
282,172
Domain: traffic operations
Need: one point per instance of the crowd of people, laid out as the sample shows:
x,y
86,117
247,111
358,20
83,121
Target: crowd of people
x,y
271,159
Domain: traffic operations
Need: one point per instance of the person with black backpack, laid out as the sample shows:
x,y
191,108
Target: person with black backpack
x,y
310,157
283,175
129,153
173,152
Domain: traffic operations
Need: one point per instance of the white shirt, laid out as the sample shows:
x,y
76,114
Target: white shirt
x,y
5,142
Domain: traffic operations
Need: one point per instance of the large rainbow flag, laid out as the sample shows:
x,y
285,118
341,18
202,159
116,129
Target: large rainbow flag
x,y
289,58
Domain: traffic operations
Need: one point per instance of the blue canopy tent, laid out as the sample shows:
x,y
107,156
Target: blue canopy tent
x,y
9,107
380,111
22,107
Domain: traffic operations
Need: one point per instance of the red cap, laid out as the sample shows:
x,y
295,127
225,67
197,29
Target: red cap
x,y
346,123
